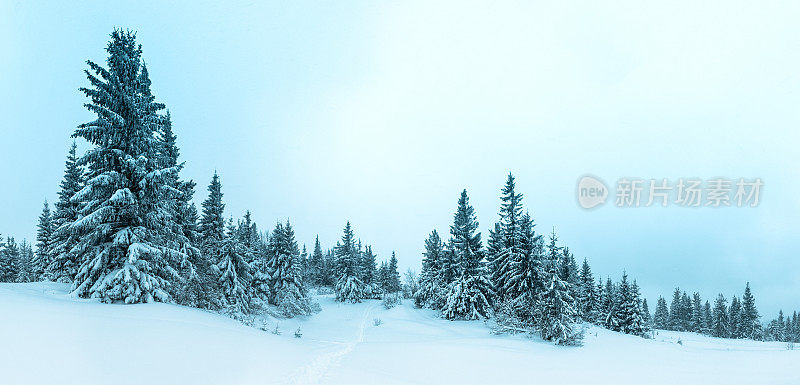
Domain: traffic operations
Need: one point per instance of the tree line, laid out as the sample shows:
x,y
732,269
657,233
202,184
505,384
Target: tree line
x,y
125,229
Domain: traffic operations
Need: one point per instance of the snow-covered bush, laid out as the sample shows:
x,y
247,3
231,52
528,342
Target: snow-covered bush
x,y
349,289
392,300
466,299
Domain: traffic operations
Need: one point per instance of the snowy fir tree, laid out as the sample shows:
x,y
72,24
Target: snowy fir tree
x,y
526,281
234,273
750,326
697,313
349,286
431,281
9,260
470,294
369,273
212,222
646,318
735,318
24,263
129,239
44,237
587,299
708,319
661,315
556,313
317,265
63,261
287,289
392,282
720,318
507,241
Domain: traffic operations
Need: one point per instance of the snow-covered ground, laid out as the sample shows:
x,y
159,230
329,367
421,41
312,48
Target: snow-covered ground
x,y
47,337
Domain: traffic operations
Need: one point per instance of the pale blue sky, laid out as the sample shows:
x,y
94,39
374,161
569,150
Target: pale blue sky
x,y
382,112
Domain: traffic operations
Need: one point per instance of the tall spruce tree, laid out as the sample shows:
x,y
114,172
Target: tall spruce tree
x,y
288,290
661,315
507,250
735,318
470,294
317,264
720,318
349,286
44,237
556,312
234,273
431,285
393,276
750,326
212,222
63,264
127,230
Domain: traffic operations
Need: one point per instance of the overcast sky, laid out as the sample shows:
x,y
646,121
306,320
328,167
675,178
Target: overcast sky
x,y
381,112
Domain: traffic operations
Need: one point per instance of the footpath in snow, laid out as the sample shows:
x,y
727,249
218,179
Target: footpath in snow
x,y
47,337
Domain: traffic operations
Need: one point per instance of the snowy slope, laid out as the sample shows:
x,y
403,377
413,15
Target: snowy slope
x,y
47,337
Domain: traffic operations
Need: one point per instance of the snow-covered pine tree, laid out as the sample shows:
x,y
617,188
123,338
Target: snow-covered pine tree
x,y
127,229
587,298
288,291
25,272
44,235
393,276
212,222
317,264
675,309
697,313
349,287
234,273
708,319
646,318
661,315
556,313
610,306
720,318
63,264
9,260
735,318
686,312
750,325
526,282
630,307
506,241
431,282
469,296
369,273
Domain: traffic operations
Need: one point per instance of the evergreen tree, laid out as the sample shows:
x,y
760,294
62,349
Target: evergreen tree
x,y
586,298
317,264
349,286
610,306
697,314
526,283
508,247
735,318
63,264
212,223
9,260
750,326
556,310
24,259
128,237
288,292
393,276
675,312
430,293
661,315
234,272
647,320
369,272
469,296
720,318
44,236
708,319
